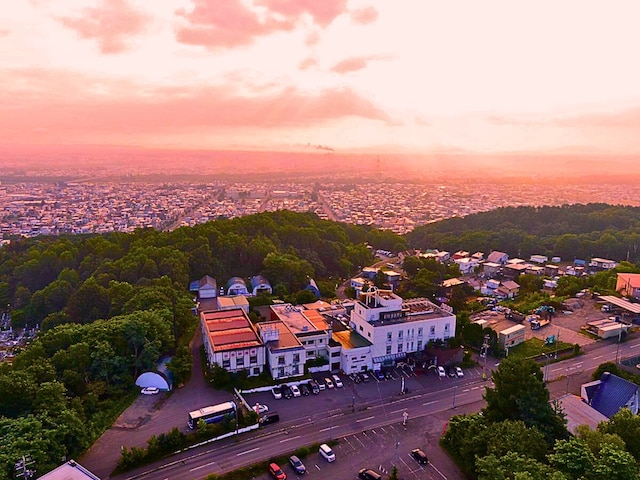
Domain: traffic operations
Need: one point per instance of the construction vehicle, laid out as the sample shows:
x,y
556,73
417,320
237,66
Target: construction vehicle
x,y
537,324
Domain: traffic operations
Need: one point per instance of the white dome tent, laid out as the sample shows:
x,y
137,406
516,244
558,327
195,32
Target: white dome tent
x,y
153,379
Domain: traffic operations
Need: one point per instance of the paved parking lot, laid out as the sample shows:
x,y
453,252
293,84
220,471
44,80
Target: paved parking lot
x,y
382,448
354,396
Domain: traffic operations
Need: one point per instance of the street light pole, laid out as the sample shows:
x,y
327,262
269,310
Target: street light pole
x,y
567,391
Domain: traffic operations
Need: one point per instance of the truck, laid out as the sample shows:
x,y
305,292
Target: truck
x,y
537,324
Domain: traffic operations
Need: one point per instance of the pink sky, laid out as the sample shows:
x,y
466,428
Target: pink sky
x,y
347,74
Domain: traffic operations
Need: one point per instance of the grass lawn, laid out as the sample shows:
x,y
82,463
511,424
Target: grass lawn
x,y
534,347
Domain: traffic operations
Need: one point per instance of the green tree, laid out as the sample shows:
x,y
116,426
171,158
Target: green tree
x,y
520,394
627,426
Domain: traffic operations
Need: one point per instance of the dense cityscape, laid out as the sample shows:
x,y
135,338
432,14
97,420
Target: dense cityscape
x,y
31,209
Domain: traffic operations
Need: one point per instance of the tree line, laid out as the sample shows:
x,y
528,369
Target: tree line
x,y
568,231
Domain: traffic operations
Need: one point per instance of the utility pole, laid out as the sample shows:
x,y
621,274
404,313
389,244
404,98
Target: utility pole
x,y
619,340
557,340
454,396
485,348
22,467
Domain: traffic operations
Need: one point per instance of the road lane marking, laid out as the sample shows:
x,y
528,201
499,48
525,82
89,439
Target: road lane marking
x,y
396,411
248,451
289,439
202,466
365,419
599,356
430,403
634,346
324,429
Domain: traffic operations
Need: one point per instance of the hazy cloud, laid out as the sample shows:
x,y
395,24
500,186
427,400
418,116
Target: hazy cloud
x,y
364,16
234,23
307,63
111,24
354,64
80,112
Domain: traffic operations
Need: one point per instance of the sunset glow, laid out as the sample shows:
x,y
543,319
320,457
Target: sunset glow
x,y
350,75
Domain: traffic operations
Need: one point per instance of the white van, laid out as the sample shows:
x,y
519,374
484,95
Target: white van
x,y
327,453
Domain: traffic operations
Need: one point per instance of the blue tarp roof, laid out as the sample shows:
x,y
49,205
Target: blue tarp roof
x,y
613,394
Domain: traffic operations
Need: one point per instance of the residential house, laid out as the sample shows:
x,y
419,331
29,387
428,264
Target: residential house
x,y
70,470
443,257
512,270
628,284
489,287
369,273
610,394
466,265
579,413
231,341
538,259
460,254
508,289
478,256
598,263
500,258
551,270
491,269
355,352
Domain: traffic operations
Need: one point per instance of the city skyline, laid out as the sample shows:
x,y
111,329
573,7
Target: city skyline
x,y
337,75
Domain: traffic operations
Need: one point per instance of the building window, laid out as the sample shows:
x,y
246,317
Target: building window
x,y
311,342
253,359
296,369
296,358
256,371
369,334
281,360
400,334
388,349
420,332
411,346
446,328
361,328
389,337
281,372
432,330
311,353
419,345
239,361
335,354
226,363
400,348
320,341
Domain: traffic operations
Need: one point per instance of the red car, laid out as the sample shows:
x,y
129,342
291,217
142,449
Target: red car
x,y
276,472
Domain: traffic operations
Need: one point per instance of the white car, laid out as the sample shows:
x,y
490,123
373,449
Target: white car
x,y
337,381
261,408
150,391
441,371
295,390
459,372
277,393
327,453
328,383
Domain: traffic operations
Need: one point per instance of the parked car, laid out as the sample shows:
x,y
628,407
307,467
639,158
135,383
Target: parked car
x,y
356,377
379,374
321,384
369,474
260,408
420,456
328,383
315,388
277,393
304,389
268,418
286,391
337,381
150,391
452,372
441,371
459,372
327,453
297,465
276,472
295,390
365,377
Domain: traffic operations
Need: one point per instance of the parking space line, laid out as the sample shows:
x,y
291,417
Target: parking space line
x,y
434,467
383,430
358,440
317,467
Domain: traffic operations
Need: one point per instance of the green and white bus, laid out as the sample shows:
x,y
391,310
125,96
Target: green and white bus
x,y
212,414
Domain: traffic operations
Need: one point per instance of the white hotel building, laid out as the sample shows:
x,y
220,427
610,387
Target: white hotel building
x,y
396,327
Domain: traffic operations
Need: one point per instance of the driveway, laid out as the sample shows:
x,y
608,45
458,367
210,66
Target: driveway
x,y
152,415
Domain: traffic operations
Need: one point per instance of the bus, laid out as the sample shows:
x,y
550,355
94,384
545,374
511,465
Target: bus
x,y
212,414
